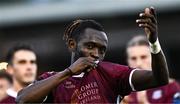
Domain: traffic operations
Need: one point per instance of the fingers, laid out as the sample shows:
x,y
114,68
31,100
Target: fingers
x,y
147,26
83,63
149,16
90,62
153,11
148,19
146,23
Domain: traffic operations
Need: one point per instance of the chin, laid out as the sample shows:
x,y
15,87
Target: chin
x,y
28,81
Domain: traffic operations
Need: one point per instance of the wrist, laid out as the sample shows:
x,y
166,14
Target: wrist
x,y
69,71
155,47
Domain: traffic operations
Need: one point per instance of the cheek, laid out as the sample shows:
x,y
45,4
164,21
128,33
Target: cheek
x,y
102,56
148,59
19,66
18,70
34,69
84,52
131,63
147,63
7,84
4,84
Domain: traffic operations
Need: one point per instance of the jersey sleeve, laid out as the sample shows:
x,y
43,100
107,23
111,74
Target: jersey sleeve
x,y
119,77
49,97
123,76
46,75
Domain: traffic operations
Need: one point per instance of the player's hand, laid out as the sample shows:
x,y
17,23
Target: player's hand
x,y
148,21
82,64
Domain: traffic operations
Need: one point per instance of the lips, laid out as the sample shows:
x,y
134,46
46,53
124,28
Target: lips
x,y
29,74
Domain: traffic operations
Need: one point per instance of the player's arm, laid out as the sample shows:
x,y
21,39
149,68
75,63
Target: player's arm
x,y
35,93
39,90
142,79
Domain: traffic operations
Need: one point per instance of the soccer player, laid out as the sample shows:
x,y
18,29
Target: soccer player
x,y
5,83
89,79
22,66
139,56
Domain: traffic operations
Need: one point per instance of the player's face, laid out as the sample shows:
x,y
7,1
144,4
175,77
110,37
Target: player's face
x,y
4,85
24,66
139,57
93,43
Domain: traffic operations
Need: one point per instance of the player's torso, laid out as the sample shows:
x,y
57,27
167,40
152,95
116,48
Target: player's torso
x,y
92,88
163,94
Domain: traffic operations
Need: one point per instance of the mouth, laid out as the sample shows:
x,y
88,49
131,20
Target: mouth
x,y
29,74
96,63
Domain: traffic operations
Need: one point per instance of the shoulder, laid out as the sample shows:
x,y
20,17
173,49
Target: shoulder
x,y
174,85
8,99
110,65
114,69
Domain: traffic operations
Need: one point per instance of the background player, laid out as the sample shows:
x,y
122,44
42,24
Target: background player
x,y
139,56
5,83
22,67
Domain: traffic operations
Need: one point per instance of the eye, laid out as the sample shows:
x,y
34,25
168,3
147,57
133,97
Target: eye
x,y
133,58
143,57
102,50
22,61
33,61
90,46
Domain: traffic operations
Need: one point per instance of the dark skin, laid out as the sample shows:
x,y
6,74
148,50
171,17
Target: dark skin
x,y
159,75
93,47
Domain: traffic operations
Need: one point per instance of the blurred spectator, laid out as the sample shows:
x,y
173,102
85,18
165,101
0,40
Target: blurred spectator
x,y
5,82
23,68
139,56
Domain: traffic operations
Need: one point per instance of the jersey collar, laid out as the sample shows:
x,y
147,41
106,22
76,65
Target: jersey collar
x,y
11,92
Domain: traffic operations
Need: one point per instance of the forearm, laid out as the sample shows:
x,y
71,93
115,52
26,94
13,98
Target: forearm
x,y
160,68
38,91
143,79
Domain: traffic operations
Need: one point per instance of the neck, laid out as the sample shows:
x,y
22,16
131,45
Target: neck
x,y
3,95
72,57
17,86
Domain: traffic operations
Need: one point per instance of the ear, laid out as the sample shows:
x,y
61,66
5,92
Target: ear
x,y
71,44
9,69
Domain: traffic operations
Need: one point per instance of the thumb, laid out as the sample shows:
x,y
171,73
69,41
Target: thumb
x,y
147,11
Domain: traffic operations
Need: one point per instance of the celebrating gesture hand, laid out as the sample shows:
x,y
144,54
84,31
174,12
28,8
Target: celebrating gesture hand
x,y
148,21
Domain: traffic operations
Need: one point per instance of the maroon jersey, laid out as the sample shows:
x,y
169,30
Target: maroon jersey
x,y
8,100
101,85
162,94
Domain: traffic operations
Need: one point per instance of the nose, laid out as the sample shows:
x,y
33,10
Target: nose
x,y
139,63
29,66
95,53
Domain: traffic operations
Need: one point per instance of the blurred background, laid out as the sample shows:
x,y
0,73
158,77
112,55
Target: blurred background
x,y
41,23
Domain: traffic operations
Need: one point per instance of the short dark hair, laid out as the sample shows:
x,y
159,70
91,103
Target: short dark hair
x,y
4,74
15,48
138,41
77,27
